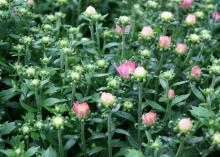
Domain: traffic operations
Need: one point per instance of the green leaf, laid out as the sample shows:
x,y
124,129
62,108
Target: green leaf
x,y
155,105
197,93
134,153
52,101
7,128
50,152
71,141
101,74
179,83
122,131
163,83
96,150
9,153
201,112
96,136
125,115
109,45
179,99
31,151
28,107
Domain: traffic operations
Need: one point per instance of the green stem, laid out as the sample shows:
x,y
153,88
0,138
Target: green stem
x,y
180,149
91,27
66,65
110,134
38,104
139,114
78,11
156,153
97,37
123,46
83,138
88,83
73,93
59,134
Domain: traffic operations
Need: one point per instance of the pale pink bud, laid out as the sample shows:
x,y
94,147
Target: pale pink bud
x,y
90,10
216,16
186,4
196,72
118,29
171,93
164,41
190,19
81,109
185,125
147,32
107,99
30,2
149,118
128,28
140,73
181,48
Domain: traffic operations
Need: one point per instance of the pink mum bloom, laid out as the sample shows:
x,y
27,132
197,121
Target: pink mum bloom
x,y
191,19
125,69
185,125
164,41
181,48
216,16
186,4
196,72
81,109
171,93
128,28
147,32
118,29
149,118
107,99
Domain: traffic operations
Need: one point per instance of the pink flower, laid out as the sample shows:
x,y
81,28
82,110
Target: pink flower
x,y
147,32
216,16
149,118
196,72
128,28
191,19
164,41
171,93
118,29
181,48
81,109
107,99
30,2
90,10
125,69
185,125
186,4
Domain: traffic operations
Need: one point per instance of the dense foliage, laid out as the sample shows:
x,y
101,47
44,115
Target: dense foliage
x,y
122,78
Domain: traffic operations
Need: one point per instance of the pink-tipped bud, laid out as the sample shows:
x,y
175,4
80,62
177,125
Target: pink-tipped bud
x,y
196,72
186,4
128,28
164,41
125,69
171,93
118,29
140,73
90,10
216,16
107,99
181,48
149,118
185,125
81,109
190,19
147,32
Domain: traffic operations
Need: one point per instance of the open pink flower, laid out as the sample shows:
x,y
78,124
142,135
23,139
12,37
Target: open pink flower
x,y
196,72
216,16
118,29
126,29
181,48
149,118
125,69
81,109
164,41
186,4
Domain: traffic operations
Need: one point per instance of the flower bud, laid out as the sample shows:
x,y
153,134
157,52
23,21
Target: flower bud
x,y
214,69
166,16
113,83
151,4
101,63
208,91
164,41
74,76
30,71
35,83
199,14
196,72
181,48
66,50
149,118
146,33
145,53
39,125
57,122
186,4
167,75
140,73
128,105
63,43
216,138
216,16
124,20
25,129
90,67
107,99
79,69
81,109
62,2
194,38
206,35
171,93
185,125
3,3
190,20
90,11
46,40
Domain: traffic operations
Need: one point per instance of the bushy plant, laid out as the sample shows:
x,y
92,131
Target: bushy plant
x,y
101,78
